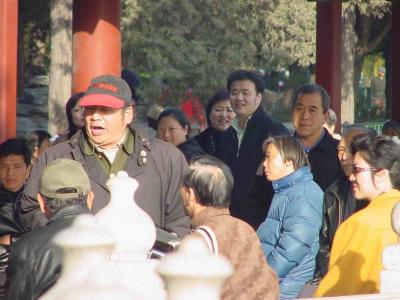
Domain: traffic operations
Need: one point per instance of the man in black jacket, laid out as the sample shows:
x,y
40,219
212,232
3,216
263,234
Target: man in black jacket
x,y
309,113
241,147
15,161
35,262
339,201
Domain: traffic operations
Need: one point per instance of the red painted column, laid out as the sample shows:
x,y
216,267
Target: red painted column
x,y
328,57
8,68
395,67
96,41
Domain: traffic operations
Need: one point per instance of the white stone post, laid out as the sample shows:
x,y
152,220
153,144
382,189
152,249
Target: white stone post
x,y
193,272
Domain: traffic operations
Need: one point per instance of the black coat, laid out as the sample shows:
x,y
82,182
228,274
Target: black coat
x,y
10,223
35,262
10,219
339,204
252,193
324,161
209,140
191,149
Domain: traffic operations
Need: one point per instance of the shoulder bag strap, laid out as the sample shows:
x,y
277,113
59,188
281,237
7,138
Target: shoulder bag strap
x,y
209,236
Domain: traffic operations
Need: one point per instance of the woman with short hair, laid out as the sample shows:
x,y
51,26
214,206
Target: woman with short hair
x,y
219,114
173,127
355,261
290,234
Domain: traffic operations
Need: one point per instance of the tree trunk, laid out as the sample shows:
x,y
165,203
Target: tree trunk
x,y
61,64
349,39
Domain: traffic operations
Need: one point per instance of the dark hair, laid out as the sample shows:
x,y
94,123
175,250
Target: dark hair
x,y
361,128
133,81
221,95
240,75
211,181
16,146
55,204
391,125
37,137
379,152
178,115
311,88
290,150
68,111
331,120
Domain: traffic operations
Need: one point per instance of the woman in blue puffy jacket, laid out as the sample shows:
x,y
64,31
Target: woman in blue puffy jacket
x,y
290,234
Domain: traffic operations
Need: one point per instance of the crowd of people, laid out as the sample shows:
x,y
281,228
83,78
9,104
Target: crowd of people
x,y
297,214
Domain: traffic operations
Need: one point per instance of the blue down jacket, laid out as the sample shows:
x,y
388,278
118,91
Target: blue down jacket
x,y
290,234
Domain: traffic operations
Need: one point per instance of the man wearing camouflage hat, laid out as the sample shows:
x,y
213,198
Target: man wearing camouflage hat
x,y
108,144
34,264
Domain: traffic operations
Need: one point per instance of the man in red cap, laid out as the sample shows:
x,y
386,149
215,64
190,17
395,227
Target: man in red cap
x,y
109,144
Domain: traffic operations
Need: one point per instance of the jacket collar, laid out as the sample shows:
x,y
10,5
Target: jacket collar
x,y
69,212
340,187
207,213
134,163
8,196
290,180
325,144
257,114
384,197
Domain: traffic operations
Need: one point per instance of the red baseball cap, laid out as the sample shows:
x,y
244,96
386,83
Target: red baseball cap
x,y
107,90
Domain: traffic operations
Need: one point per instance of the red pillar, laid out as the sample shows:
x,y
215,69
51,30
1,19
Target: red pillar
x,y
8,67
395,67
96,41
329,47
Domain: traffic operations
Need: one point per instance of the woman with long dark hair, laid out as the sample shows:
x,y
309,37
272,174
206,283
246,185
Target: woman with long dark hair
x,y
74,115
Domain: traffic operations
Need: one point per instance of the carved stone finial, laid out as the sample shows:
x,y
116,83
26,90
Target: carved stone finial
x,y
396,218
85,247
390,274
135,233
132,227
84,232
193,272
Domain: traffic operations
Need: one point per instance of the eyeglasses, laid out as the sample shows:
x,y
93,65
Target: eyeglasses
x,y
357,170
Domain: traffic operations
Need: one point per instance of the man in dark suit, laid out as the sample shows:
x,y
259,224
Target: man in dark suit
x,y
241,147
309,113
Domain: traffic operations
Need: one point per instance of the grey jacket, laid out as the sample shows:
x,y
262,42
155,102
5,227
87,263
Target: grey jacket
x,y
159,180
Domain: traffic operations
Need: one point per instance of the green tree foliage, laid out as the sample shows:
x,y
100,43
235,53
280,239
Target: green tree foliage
x,y
34,32
290,34
197,43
